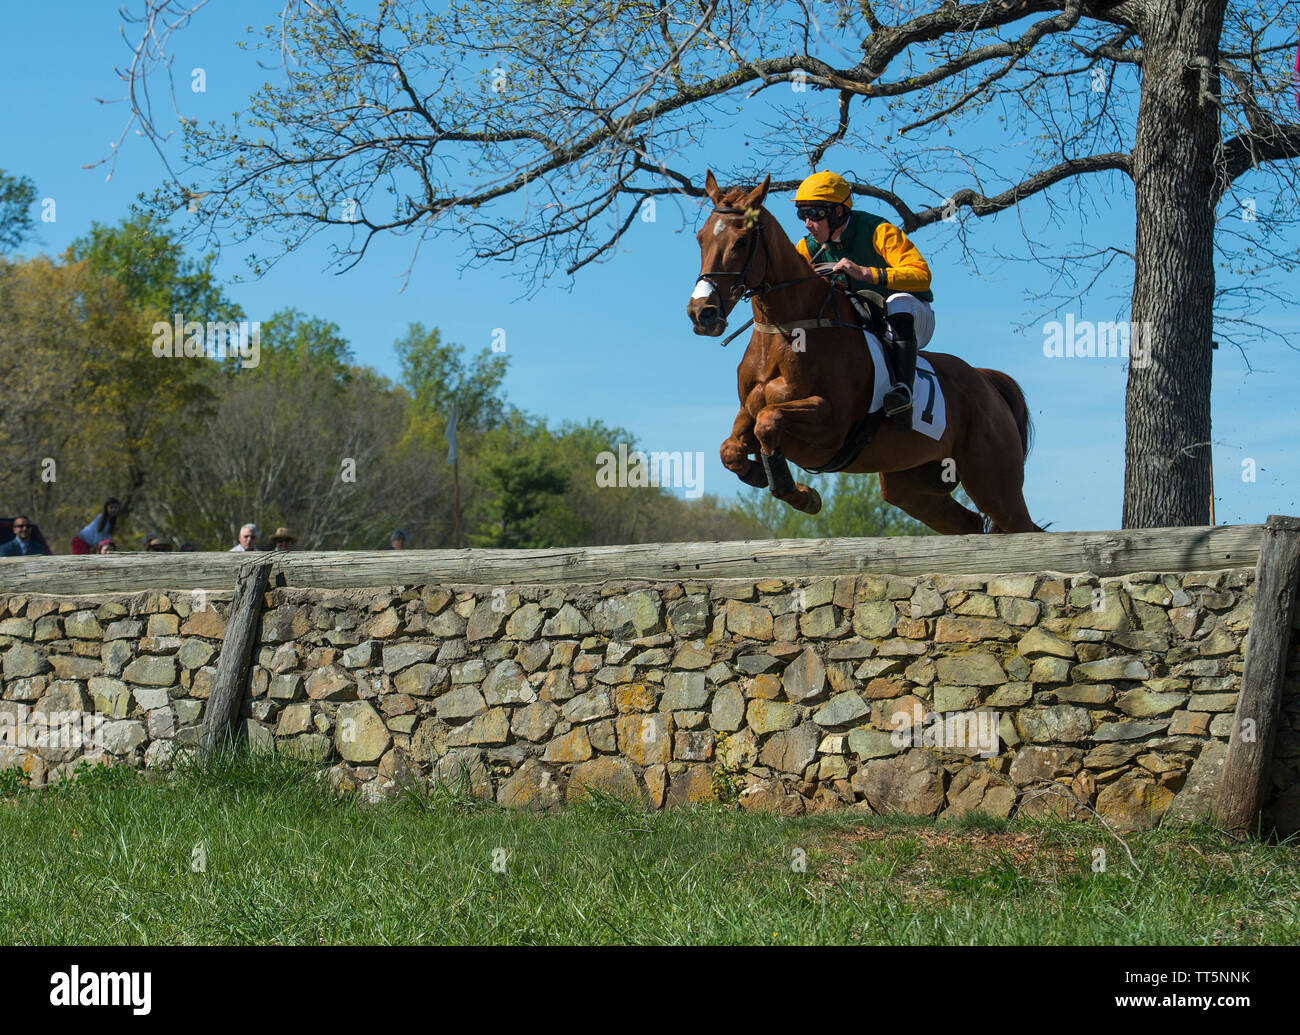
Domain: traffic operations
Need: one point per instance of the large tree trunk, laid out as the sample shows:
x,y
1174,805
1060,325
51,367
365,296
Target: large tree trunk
x,y
1167,410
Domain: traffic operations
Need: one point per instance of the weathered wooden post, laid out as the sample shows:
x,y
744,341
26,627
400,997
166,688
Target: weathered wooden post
x,y
1250,750
235,658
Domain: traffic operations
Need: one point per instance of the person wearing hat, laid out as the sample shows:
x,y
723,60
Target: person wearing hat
x,y
155,543
397,541
283,539
875,255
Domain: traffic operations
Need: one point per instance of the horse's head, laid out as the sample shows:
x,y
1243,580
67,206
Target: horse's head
x,y
731,261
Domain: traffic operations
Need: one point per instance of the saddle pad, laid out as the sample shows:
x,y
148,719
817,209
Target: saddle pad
x,y
929,414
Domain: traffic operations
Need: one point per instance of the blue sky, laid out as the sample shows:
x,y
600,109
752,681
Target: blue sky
x,y
616,345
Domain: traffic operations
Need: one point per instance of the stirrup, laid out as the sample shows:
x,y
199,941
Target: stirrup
x,y
898,391
900,415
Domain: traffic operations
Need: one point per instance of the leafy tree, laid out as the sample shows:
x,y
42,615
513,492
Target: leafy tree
x,y
145,405
17,195
292,341
707,519
570,118
595,514
296,442
57,325
152,268
438,374
521,479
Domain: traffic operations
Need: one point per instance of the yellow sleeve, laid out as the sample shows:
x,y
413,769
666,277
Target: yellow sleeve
x,y
907,270
801,246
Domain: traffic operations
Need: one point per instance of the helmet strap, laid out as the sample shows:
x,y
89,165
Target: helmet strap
x,y
838,219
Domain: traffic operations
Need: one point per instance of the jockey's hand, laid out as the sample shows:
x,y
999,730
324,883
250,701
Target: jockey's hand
x,y
852,269
825,269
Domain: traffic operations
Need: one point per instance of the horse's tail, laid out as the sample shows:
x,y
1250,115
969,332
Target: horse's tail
x,y
1014,397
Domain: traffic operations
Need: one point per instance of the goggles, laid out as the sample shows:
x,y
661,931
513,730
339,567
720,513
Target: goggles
x,y
814,212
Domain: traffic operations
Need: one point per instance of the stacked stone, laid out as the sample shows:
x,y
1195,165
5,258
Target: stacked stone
x,y
1117,693
1119,690
141,663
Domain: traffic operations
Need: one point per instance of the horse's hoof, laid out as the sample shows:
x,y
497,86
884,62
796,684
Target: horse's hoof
x,y
814,504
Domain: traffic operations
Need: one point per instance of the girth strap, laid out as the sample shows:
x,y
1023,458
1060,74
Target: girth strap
x,y
858,438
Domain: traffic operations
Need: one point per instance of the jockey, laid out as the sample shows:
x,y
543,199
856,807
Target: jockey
x,y
875,255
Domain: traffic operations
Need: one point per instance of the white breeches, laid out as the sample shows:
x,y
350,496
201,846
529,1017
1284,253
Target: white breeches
x,y
922,315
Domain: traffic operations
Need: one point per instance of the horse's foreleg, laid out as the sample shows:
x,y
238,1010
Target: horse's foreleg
x,y
776,424
783,486
739,447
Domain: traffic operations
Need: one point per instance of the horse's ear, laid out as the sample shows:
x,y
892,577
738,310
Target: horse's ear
x,y
756,196
711,187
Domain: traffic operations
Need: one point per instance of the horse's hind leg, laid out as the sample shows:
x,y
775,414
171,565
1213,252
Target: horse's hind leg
x,y
996,487
922,493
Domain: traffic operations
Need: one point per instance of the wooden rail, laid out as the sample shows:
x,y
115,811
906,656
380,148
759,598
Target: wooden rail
x,y
1101,553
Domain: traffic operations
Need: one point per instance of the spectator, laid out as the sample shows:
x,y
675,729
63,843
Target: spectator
x,y
98,530
398,540
107,546
22,544
247,540
188,547
283,539
155,543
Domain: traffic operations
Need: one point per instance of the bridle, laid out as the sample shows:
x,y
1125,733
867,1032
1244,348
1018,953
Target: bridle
x,y
741,291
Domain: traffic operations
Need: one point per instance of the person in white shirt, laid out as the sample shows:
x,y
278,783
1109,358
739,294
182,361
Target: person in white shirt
x,y
89,538
247,540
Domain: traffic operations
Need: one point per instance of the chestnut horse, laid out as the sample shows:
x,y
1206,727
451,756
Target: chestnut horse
x,y
806,381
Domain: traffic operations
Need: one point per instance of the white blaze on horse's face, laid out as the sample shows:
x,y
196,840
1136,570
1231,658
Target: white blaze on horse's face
x,y
703,289
717,227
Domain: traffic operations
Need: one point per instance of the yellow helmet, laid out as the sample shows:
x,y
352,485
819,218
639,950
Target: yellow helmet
x,y
824,186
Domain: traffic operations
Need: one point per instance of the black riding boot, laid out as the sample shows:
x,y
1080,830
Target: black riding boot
x,y
898,400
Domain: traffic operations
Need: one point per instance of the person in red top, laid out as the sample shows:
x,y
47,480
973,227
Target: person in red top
x,y
875,255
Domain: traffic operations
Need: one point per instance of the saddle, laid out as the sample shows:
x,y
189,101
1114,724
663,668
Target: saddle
x,y
870,307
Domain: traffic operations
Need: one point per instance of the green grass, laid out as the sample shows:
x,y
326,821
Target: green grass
x,y
108,859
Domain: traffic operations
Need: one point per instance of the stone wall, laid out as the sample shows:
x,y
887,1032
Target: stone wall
x,y
792,694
